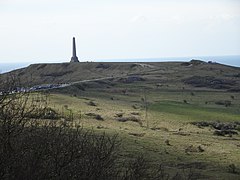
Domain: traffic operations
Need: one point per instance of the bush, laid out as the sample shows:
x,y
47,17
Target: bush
x,y
91,103
130,118
139,169
57,152
225,103
35,149
232,168
96,116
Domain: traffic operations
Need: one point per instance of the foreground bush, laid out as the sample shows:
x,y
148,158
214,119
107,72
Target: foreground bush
x,y
57,152
32,148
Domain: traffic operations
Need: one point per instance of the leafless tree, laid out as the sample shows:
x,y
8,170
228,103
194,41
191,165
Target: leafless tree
x,y
35,149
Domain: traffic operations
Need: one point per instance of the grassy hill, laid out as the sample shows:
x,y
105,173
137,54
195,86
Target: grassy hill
x,y
214,76
173,112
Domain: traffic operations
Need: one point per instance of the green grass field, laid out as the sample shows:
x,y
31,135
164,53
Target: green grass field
x,y
167,118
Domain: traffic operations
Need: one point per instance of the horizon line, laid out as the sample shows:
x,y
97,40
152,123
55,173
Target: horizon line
x,y
135,58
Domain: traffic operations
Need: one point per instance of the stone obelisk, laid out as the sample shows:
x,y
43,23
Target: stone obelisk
x,y
74,54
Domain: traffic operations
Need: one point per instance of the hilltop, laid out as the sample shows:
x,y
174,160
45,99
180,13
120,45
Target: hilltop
x,y
194,73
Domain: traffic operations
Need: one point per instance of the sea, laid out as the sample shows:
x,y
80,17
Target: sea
x,y
233,60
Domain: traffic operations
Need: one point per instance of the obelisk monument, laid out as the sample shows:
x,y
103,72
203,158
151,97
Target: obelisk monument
x,y
74,54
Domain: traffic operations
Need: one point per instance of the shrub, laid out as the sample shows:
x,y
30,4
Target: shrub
x,y
91,103
139,168
57,152
225,103
232,168
130,118
98,117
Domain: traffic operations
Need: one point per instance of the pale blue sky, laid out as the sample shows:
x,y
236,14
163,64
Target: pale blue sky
x,y
42,30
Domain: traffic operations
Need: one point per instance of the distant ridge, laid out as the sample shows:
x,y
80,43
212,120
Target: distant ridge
x,y
233,60
59,73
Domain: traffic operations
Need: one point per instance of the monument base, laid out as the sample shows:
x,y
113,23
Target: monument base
x,y
74,59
